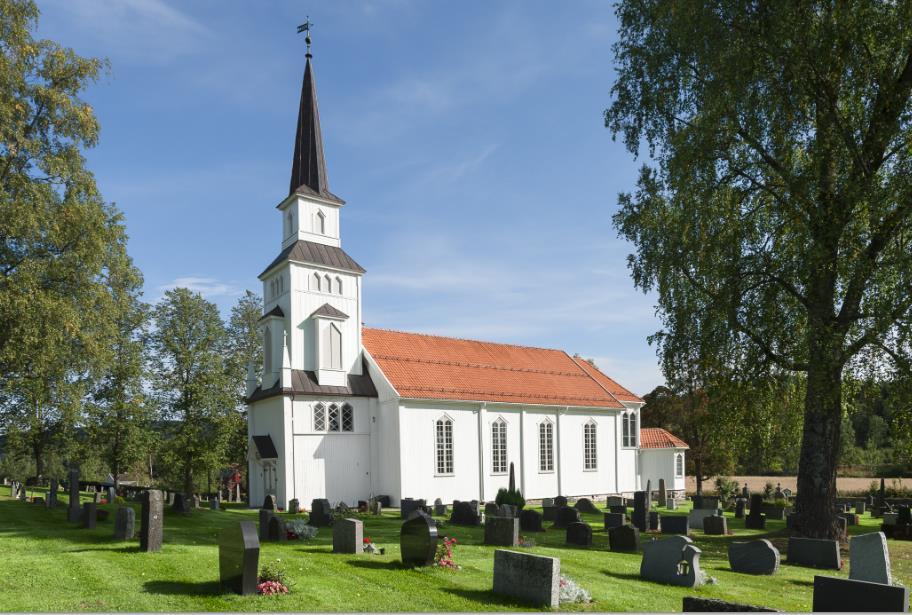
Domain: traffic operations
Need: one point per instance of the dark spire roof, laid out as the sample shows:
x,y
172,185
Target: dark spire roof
x,y
308,167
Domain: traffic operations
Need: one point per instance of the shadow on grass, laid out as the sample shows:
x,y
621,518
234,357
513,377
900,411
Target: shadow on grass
x,y
183,588
483,596
375,565
624,576
801,582
124,549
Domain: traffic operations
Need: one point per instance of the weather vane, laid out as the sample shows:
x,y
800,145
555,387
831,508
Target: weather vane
x,y
305,27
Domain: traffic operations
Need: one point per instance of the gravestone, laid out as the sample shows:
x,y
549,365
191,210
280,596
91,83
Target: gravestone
x,y
440,508
214,503
89,515
860,507
384,500
263,525
195,501
74,509
180,503
111,495
745,492
362,506
150,531
320,513
715,526
740,505
585,505
773,511
640,516
674,561
549,513
269,502
275,528
348,536
693,604
890,518
697,517
614,500
675,524
534,579
560,501
530,521
832,594
672,504
418,541
621,510
51,501
492,510
579,534
376,507
239,556
624,538
407,505
125,523
814,552
753,557
869,558
755,520
464,514
96,497
565,516
501,531
655,521
614,520
294,506
850,518
663,494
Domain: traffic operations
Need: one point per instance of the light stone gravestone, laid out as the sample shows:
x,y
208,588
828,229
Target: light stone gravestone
x,y
294,506
239,555
869,558
547,502
150,532
832,594
125,523
534,579
753,557
348,536
672,504
860,507
814,552
695,517
501,531
674,560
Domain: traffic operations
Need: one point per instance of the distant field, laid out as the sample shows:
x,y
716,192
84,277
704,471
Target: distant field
x,y
756,483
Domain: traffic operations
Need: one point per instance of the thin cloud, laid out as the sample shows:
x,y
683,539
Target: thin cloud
x,y
208,287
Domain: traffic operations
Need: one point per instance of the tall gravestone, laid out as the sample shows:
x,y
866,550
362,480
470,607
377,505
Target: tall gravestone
x,y
755,520
663,494
150,531
74,509
239,556
641,510
348,536
51,501
125,523
263,525
869,558
418,541
89,515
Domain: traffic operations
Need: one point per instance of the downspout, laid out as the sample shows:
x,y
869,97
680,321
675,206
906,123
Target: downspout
x,y
522,449
617,454
560,461
481,414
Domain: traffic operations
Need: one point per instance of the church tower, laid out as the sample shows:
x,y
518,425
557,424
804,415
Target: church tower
x,y
312,289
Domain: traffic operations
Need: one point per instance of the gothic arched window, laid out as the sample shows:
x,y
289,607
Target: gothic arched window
x,y
267,351
499,446
590,451
443,428
327,284
679,465
348,418
334,424
319,417
546,446
315,281
320,223
338,287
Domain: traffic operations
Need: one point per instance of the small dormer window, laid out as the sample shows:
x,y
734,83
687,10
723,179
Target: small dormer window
x,y
320,223
290,221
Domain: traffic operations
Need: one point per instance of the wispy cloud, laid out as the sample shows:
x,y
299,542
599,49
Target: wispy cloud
x,y
211,288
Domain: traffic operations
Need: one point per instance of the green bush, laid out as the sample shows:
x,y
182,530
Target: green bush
x,y
768,490
274,571
514,498
727,490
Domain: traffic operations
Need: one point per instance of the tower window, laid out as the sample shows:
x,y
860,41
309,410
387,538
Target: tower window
x,y
348,418
327,284
315,282
334,423
546,447
590,450
332,347
319,417
338,287
629,431
444,445
267,351
679,465
320,223
290,220
499,446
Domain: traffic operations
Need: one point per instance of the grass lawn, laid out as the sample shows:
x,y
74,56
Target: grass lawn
x,y
48,564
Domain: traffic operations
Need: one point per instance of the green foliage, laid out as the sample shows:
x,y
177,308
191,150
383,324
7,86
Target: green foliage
x,y
768,490
514,498
275,570
727,490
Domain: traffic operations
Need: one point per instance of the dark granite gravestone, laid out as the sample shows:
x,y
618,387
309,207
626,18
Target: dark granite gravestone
x,y
860,507
74,509
663,494
440,508
150,532
814,552
89,515
640,516
693,604
239,557
869,558
384,500
674,560
613,520
269,502
675,524
850,518
579,534
774,512
501,531
263,525
492,510
180,503
215,503
320,513
715,526
832,594
754,557
407,505
740,505
125,523
904,515
418,541
560,501
275,529
464,514
565,516
530,521
419,512
51,501
549,513
655,521
294,506
348,536
585,505
755,520
534,579
614,500
624,538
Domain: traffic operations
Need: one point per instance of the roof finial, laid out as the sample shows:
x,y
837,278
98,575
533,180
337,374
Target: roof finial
x,y
305,27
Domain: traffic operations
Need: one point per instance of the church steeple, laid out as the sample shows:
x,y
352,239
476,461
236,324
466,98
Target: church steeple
x,y
308,167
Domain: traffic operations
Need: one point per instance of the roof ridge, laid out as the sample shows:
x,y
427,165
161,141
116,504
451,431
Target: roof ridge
x,y
594,379
465,339
480,366
501,393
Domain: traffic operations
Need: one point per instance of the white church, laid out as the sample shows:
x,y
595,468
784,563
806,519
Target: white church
x,y
346,412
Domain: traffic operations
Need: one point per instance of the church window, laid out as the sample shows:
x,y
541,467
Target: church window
x,y
499,446
679,465
332,347
319,417
348,418
281,284
334,423
327,285
546,447
320,223
590,453
267,350
444,429
338,287
629,429
315,282
290,219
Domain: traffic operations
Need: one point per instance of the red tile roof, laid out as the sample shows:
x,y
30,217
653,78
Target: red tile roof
x,y
432,367
656,437
616,390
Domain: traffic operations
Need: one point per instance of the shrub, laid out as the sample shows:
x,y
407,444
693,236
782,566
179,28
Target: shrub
x,y
514,498
298,528
444,557
274,572
768,490
727,490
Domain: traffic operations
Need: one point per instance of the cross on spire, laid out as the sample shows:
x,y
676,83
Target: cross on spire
x,y
305,27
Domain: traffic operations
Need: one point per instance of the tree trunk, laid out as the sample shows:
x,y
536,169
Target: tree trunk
x,y
698,474
816,496
188,478
38,451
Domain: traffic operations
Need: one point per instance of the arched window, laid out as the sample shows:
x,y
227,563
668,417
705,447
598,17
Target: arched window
x,y
315,282
348,418
320,223
499,446
290,219
590,450
334,424
444,445
281,284
546,447
630,431
319,417
267,351
332,347
338,287
679,465
327,284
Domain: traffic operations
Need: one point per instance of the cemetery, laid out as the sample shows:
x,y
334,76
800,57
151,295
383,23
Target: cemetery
x,y
211,559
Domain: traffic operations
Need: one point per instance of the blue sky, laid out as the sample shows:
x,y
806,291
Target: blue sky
x,y
466,138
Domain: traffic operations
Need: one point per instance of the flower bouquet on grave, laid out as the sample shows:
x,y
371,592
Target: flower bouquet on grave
x,y
444,557
371,547
525,541
273,580
570,592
